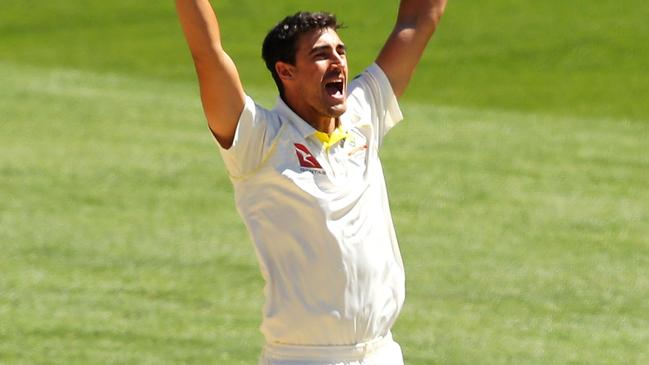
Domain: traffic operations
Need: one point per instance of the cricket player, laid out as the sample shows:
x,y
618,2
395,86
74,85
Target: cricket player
x,y
308,182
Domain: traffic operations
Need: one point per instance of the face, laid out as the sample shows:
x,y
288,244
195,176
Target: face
x,y
318,80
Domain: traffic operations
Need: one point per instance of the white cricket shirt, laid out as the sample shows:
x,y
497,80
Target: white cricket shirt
x,y
319,218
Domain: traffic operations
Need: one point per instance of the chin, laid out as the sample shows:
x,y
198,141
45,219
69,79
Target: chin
x,y
337,110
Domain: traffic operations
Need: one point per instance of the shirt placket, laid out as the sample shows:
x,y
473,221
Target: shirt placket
x,y
322,156
337,160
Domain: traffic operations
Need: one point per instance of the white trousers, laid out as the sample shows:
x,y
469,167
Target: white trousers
x,y
381,351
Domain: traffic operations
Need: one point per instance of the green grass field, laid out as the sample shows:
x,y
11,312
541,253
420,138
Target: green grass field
x,y
518,183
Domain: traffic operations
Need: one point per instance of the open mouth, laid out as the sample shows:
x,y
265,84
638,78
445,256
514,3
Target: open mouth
x,y
335,89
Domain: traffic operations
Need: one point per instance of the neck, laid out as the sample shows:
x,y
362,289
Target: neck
x,y
326,125
320,122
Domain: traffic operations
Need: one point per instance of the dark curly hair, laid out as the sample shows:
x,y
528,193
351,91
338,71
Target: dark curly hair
x,y
281,42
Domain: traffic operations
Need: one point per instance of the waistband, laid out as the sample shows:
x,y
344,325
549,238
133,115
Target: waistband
x,y
326,353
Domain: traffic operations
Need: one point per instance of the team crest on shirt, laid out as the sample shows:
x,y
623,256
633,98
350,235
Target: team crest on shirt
x,y
357,148
306,158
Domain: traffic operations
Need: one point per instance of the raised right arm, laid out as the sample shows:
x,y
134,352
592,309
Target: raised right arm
x,y
222,94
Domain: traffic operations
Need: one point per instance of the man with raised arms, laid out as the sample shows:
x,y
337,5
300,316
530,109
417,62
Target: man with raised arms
x,y
308,181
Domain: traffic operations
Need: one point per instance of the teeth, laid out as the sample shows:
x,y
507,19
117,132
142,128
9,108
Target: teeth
x,y
335,88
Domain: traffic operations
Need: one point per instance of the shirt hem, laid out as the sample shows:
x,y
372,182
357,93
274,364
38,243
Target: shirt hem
x,y
354,352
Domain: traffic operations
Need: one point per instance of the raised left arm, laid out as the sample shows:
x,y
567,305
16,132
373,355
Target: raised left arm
x,y
416,23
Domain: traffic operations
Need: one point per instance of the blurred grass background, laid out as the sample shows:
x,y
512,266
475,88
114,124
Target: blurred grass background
x,y
577,57
518,185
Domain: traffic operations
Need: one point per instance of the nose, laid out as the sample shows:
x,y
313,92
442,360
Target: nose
x,y
338,59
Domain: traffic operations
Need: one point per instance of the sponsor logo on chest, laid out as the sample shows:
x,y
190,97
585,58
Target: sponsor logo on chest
x,y
306,159
351,155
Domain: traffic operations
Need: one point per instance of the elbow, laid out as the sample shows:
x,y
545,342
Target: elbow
x,y
422,20
420,23
428,21
427,26
415,29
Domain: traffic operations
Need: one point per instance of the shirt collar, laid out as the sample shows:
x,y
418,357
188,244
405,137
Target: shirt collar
x,y
329,140
302,126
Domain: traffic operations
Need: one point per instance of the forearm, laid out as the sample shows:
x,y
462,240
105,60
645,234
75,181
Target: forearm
x,y
200,27
416,23
222,94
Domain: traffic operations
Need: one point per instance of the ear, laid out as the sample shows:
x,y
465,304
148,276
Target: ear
x,y
286,71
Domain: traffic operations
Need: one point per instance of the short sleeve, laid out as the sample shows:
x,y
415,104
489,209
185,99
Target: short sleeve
x,y
255,130
372,89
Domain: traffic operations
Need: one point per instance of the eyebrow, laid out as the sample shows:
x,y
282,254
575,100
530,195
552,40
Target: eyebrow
x,y
322,48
